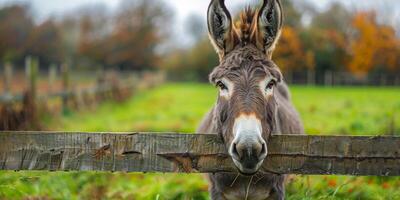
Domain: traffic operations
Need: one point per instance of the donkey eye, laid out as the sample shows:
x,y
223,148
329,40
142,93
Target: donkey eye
x,y
221,85
270,85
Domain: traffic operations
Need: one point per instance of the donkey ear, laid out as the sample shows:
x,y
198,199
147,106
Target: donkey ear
x,y
269,24
220,27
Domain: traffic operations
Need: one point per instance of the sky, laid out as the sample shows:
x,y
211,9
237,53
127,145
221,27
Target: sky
x,y
184,8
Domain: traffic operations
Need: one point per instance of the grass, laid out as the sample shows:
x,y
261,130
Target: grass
x,y
169,108
180,107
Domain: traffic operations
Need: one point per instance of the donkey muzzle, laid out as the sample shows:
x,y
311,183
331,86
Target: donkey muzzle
x,y
248,149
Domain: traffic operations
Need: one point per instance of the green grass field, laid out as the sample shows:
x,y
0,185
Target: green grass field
x,y
180,107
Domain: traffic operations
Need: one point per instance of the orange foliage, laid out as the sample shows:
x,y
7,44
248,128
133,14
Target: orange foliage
x,y
332,183
375,45
385,185
45,42
289,53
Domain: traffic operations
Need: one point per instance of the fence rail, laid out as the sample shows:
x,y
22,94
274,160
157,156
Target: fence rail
x,y
7,98
195,153
22,111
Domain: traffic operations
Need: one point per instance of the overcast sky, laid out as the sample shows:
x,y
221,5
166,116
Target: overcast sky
x,y
183,8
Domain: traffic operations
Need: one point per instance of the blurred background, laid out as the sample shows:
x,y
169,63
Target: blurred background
x,y
130,65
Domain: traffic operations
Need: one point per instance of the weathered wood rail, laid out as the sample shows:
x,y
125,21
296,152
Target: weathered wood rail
x,y
195,153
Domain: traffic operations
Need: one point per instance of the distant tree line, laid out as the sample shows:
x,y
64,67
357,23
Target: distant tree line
x,y
337,39
134,37
88,37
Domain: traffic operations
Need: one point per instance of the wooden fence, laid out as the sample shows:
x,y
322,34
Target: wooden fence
x,y
195,153
21,111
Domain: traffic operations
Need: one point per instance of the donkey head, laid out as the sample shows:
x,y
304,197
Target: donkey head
x,y
246,78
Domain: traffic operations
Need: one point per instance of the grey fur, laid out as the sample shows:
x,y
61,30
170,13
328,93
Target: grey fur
x,y
245,66
246,62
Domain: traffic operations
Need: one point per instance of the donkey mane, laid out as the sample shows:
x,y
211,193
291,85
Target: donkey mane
x,y
244,26
246,29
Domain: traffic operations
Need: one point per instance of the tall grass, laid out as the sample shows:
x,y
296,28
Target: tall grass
x,y
180,107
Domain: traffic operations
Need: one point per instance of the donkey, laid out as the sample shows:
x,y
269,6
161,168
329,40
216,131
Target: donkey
x,y
253,102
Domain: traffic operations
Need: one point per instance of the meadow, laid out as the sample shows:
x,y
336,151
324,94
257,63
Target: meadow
x,y
180,107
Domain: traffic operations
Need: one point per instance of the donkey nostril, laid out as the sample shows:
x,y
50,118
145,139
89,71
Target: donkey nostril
x,y
263,151
235,152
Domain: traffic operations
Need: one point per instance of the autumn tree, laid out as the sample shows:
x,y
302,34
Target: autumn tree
x,y
327,38
292,15
290,54
374,45
194,62
128,39
94,35
45,43
69,29
15,26
140,26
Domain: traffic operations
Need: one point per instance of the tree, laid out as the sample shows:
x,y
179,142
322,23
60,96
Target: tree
x,y
92,46
140,27
326,38
15,26
196,27
290,54
45,42
292,15
192,64
337,17
373,46
129,39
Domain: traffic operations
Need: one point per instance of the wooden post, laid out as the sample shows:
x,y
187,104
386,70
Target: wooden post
x,y
65,87
310,77
52,77
31,70
335,78
99,92
397,80
28,69
289,77
6,108
328,78
30,97
383,79
8,73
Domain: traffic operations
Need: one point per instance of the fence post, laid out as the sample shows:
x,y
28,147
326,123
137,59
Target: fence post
x,y
65,87
52,77
328,78
30,97
335,78
310,77
31,70
7,78
100,85
397,80
28,63
289,77
383,79
5,109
